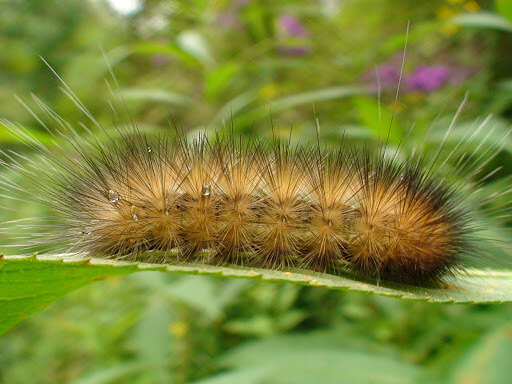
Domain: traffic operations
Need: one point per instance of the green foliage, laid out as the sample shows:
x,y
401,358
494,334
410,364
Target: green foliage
x,y
504,7
203,65
296,359
383,127
484,20
30,284
487,362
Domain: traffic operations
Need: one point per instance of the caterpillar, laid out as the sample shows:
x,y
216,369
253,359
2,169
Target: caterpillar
x,y
225,200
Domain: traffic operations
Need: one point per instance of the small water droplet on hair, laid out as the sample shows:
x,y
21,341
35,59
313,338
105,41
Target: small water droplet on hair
x,y
149,149
113,196
133,211
86,231
283,219
166,206
206,191
329,223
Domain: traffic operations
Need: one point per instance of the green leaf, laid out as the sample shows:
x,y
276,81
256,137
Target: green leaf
x,y
316,96
489,361
203,295
378,119
196,45
29,284
218,79
159,95
264,325
308,98
169,49
484,20
320,357
197,293
153,342
504,7
231,108
246,376
113,374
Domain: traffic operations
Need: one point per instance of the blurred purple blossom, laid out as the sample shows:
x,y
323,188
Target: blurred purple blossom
x,y
429,78
387,75
292,26
294,51
293,36
383,77
229,19
423,79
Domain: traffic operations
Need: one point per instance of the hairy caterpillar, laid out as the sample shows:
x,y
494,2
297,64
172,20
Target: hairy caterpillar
x,y
267,204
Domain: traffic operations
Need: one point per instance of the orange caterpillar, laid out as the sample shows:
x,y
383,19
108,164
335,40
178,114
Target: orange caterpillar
x,y
261,204
265,204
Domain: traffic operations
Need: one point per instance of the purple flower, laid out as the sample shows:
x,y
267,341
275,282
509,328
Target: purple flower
x,y
385,76
294,51
229,20
429,78
292,26
425,78
293,37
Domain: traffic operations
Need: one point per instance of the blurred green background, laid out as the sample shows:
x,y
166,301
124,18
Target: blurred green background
x,y
247,65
